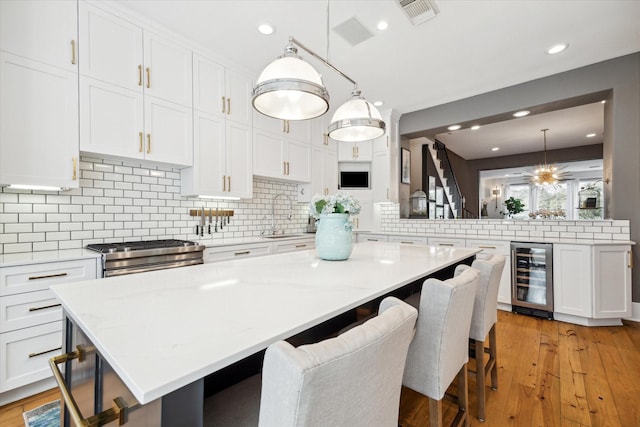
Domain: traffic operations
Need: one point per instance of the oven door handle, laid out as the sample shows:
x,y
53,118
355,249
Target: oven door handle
x,y
145,268
117,412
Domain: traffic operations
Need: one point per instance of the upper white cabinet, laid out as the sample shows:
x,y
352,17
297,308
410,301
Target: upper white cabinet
x,y
276,155
135,91
324,163
355,151
384,168
39,84
221,91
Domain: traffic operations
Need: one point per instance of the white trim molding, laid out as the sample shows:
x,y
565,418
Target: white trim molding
x,y
635,312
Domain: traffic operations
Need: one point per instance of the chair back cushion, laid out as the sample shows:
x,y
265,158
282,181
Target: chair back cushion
x,y
354,379
485,307
440,347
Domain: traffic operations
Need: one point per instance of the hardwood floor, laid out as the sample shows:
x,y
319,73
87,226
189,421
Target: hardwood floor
x,y
549,374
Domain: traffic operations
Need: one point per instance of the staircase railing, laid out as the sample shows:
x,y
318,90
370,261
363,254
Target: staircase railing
x,y
452,182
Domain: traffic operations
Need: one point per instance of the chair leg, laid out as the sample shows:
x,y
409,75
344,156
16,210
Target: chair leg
x,y
493,360
480,378
463,395
435,413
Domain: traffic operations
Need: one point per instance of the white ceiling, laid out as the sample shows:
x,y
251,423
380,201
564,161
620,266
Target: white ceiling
x,y
470,47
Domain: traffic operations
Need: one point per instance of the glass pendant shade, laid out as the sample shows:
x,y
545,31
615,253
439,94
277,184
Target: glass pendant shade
x,y
356,120
290,89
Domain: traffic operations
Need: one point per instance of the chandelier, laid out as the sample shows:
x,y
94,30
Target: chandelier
x,y
546,174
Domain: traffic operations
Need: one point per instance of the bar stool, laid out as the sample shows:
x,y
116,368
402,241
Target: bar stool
x,y
354,379
483,323
439,351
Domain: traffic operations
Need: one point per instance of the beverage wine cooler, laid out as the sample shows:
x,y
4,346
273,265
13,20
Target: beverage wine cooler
x,y
532,279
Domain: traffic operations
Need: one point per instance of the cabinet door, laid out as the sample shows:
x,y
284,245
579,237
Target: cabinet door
x,y
38,123
488,249
612,281
380,177
110,48
299,161
364,221
25,354
300,130
572,280
346,151
364,151
408,240
208,86
238,93
167,69
28,309
169,132
45,31
317,172
267,155
111,119
239,155
206,177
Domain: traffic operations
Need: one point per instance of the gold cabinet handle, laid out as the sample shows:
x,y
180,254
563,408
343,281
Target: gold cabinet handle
x,y
301,246
141,146
287,168
486,247
148,77
406,243
284,126
224,183
242,253
229,183
31,355
73,52
228,105
47,276
326,139
148,143
139,75
445,244
224,109
117,412
44,307
284,168
74,160
288,126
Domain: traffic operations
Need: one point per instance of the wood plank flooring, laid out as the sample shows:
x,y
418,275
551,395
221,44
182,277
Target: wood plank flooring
x,y
549,374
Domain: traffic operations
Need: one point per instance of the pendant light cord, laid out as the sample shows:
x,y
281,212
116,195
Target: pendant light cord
x,y
544,133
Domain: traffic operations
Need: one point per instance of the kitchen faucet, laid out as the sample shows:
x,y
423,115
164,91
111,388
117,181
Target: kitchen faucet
x,y
273,211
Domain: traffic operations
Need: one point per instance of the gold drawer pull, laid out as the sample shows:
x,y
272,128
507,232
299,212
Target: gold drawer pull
x,y
139,75
372,240
148,143
44,307
148,78
224,110
228,105
486,247
44,352
47,276
117,412
301,246
445,244
73,52
242,253
407,243
74,162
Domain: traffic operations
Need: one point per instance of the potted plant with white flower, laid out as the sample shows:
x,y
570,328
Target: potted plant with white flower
x,y
334,240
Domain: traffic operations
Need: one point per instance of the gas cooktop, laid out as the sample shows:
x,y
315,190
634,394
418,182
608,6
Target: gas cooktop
x,y
109,248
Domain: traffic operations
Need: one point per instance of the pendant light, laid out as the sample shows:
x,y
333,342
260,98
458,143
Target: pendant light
x,y
356,120
546,174
290,89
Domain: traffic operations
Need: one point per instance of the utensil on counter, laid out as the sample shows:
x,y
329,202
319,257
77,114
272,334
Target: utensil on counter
x,y
202,221
210,219
216,227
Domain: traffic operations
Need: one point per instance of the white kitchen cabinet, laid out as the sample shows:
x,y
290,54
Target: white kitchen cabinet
x,y
31,326
45,31
324,164
447,241
135,91
408,240
592,284
380,179
299,130
222,159
488,249
39,143
364,220
372,237
293,245
275,156
385,165
355,151
221,91
225,253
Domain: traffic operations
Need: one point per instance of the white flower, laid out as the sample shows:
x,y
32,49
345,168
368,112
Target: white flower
x,y
341,202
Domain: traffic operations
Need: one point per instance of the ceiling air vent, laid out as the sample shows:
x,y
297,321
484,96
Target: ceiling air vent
x,y
419,11
352,31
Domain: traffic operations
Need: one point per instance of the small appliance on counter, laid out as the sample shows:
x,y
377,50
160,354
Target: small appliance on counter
x,y
311,225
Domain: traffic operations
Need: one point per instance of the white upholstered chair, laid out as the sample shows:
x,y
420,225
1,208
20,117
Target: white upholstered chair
x,y
439,351
483,323
354,379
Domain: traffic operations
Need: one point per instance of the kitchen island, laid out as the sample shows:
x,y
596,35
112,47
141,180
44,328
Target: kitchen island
x,y
160,333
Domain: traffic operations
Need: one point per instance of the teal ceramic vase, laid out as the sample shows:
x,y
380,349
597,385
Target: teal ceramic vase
x,y
334,241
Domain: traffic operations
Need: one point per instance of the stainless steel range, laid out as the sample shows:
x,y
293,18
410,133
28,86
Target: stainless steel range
x,y
138,257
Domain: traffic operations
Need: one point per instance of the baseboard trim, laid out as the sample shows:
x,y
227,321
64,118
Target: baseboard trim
x,y
635,312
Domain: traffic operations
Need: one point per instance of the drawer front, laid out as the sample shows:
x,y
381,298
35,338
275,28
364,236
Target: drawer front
x,y
236,252
368,237
37,277
28,309
445,241
408,240
489,247
25,354
298,245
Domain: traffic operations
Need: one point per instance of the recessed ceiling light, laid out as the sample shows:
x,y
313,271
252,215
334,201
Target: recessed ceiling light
x,y
521,113
382,25
454,127
378,103
495,148
265,29
591,135
475,127
604,101
557,48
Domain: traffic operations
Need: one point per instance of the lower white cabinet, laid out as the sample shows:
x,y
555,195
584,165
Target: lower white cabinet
x,y
408,240
488,249
31,318
592,284
225,253
447,241
293,245
370,237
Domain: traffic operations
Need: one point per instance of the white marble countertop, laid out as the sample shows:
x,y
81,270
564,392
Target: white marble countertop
x,y
165,329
